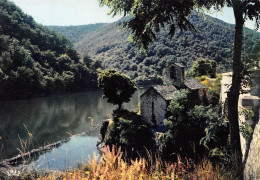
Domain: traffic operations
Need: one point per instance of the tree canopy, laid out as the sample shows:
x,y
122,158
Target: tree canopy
x,y
35,60
193,130
204,66
117,87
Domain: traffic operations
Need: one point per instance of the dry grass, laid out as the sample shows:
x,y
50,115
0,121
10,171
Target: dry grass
x,y
112,166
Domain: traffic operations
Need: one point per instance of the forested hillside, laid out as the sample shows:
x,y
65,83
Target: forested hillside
x,y
35,60
213,40
76,33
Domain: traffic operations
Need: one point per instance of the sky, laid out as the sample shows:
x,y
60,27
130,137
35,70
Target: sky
x,y
81,12
65,12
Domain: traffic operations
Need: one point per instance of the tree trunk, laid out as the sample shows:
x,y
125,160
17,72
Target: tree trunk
x,y
233,94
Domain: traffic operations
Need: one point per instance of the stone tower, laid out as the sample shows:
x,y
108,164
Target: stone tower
x,y
175,75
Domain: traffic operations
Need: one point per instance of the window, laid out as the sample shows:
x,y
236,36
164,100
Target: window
x,y
172,72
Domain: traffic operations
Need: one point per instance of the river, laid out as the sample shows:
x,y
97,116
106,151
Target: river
x,y
28,124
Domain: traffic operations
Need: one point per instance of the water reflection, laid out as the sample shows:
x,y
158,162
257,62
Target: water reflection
x,y
54,118
70,154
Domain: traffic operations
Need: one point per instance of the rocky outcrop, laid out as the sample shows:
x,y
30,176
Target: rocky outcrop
x,y
101,140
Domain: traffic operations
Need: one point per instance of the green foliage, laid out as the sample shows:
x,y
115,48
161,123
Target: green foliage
x,y
202,67
117,87
216,139
214,86
193,130
76,33
35,60
125,131
246,130
252,56
182,131
249,114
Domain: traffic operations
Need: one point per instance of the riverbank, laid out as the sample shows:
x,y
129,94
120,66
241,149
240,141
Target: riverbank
x,y
24,157
113,166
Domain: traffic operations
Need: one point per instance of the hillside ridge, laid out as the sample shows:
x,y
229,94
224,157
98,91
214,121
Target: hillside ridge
x,y
35,60
213,40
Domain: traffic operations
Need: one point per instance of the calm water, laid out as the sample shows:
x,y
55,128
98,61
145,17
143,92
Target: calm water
x,y
55,118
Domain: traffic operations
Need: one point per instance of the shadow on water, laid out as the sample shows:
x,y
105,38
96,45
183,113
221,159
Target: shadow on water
x,y
54,118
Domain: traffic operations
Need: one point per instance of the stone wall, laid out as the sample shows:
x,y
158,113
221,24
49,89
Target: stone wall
x,y
250,149
252,158
153,100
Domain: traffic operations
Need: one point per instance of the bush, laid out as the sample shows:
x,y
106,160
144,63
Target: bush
x,y
193,130
130,133
117,87
204,67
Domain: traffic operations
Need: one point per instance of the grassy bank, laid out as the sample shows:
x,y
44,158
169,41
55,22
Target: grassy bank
x,y
113,166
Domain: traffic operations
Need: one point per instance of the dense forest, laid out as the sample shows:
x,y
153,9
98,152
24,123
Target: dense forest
x,y
76,33
111,45
35,60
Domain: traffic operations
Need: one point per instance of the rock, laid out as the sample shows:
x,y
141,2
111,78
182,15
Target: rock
x,y
101,140
159,137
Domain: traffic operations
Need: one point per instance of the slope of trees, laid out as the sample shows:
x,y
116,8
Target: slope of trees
x,y
35,60
76,33
213,40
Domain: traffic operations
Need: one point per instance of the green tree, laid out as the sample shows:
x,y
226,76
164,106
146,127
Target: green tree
x,y
125,131
204,67
193,130
88,61
254,57
117,87
148,16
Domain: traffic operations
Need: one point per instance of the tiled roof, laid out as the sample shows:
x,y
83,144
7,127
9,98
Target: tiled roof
x,y
192,83
165,91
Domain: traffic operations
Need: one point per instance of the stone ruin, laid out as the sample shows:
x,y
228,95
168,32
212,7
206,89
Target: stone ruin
x,y
251,149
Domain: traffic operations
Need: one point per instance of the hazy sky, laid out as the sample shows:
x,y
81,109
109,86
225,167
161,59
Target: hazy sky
x,y
65,12
78,12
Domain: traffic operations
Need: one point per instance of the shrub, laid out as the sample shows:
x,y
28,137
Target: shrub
x,y
117,87
125,131
204,67
193,130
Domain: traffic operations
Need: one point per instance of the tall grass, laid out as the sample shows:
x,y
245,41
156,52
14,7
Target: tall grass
x,y
112,166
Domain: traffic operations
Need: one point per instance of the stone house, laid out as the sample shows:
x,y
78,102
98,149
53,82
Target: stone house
x,y
155,100
154,103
